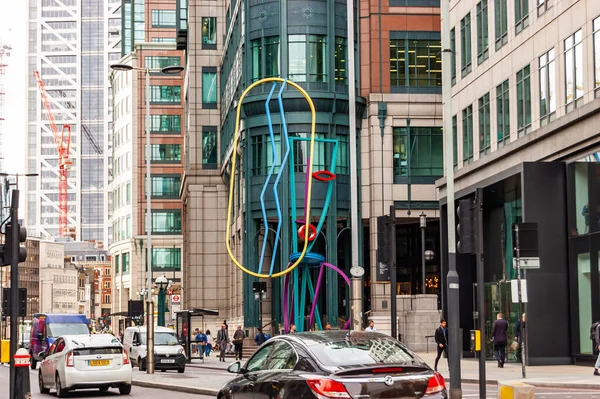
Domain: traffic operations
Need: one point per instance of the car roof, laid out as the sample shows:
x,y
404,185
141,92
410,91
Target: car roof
x,y
310,338
93,340
142,329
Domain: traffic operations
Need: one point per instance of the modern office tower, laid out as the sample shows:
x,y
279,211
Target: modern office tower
x,y
71,44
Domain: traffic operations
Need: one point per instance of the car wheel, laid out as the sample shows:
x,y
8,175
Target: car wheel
x,y
43,389
32,362
125,389
103,389
181,370
141,365
60,391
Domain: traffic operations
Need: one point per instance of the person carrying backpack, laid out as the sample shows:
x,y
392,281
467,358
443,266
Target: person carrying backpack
x,y
595,336
260,338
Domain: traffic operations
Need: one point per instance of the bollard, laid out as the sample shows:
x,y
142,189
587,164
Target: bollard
x,y
22,387
515,390
5,351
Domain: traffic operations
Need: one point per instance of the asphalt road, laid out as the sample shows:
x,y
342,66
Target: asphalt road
x,y
136,392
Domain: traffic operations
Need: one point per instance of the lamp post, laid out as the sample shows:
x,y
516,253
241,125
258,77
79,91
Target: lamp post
x,y
171,70
162,283
423,223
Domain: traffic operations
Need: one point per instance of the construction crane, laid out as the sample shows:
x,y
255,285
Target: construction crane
x,y
63,146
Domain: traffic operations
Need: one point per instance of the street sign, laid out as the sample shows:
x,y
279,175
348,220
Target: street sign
x,y
357,271
514,291
383,272
527,263
175,299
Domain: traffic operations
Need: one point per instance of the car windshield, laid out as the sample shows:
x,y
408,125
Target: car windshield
x,y
363,351
162,338
57,329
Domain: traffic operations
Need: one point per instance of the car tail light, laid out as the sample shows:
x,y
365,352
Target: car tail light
x,y
70,362
326,388
436,384
125,356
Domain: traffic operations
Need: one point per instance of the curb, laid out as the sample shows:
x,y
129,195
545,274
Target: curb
x,y
201,366
176,388
539,384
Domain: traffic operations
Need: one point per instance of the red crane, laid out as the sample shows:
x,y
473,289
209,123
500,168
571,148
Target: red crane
x,y
63,145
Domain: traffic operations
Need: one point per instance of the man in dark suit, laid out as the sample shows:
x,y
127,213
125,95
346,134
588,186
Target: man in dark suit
x,y
441,339
499,338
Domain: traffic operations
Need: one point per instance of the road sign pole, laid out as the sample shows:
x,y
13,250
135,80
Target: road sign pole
x,y
14,288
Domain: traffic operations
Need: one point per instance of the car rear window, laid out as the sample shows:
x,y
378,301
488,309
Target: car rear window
x,y
363,351
114,350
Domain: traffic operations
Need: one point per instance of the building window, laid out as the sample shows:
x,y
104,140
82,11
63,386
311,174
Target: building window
x,y
165,94
521,15
316,56
523,101
482,31
166,221
467,132
265,57
165,123
166,186
547,87
500,23
257,155
164,19
453,55
484,124
596,26
573,69
106,298
209,147
341,60
164,40
125,263
166,153
209,88
107,285
455,140
209,32
543,6
584,296
117,264
160,62
426,152
465,45
415,63
166,258
503,113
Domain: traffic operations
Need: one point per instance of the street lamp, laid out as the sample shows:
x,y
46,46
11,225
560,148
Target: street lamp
x,y
170,70
423,223
162,283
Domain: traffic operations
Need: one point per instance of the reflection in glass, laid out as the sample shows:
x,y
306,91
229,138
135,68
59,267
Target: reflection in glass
x,y
584,294
209,150
209,87
318,58
297,58
166,258
582,216
209,30
341,56
426,157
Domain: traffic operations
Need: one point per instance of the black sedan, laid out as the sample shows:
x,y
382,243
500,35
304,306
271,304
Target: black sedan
x,y
333,364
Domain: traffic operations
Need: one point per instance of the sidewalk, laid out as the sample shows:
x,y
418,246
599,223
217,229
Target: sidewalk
x,y
191,381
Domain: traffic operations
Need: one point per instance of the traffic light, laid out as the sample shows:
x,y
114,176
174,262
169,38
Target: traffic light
x,y
9,246
467,226
4,260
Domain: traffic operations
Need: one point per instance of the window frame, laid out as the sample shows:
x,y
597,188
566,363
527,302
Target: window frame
x,y
172,251
453,55
206,71
543,6
485,124
500,23
483,34
467,134
310,44
419,135
503,109
168,148
171,120
162,100
206,44
523,87
166,212
596,50
455,140
522,10
466,54
212,130
174,194
547,76
571,52
158,17
403,78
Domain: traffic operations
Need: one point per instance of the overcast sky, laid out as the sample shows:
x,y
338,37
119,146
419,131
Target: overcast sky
x,y
13,32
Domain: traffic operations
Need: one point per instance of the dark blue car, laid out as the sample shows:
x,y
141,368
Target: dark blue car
x,y
45,328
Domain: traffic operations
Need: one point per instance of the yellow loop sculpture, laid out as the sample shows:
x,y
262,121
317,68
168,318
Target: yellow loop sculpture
x,y
308,191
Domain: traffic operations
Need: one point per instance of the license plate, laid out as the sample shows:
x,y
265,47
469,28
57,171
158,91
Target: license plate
x,y
96,363
167,360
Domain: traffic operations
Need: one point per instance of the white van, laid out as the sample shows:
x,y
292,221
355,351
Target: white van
x,y
168,353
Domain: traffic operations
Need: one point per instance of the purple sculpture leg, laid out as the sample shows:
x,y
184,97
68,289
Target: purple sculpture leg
x,y
314,304
285,302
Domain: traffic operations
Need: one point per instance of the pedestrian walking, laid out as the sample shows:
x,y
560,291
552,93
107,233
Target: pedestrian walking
x,y
499,338
441,339
238,342
520,339
222,340
260,338
371,326
596,329
209,343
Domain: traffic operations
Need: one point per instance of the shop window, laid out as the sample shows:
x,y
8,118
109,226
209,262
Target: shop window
x,y
584,296
582,211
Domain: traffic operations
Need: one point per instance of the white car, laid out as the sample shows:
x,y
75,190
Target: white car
x,y
83,362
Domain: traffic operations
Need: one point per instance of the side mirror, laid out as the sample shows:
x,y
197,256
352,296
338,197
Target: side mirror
x,y
235,367
42,355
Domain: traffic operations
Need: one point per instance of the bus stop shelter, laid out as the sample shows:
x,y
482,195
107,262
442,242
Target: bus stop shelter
x,y
184,330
